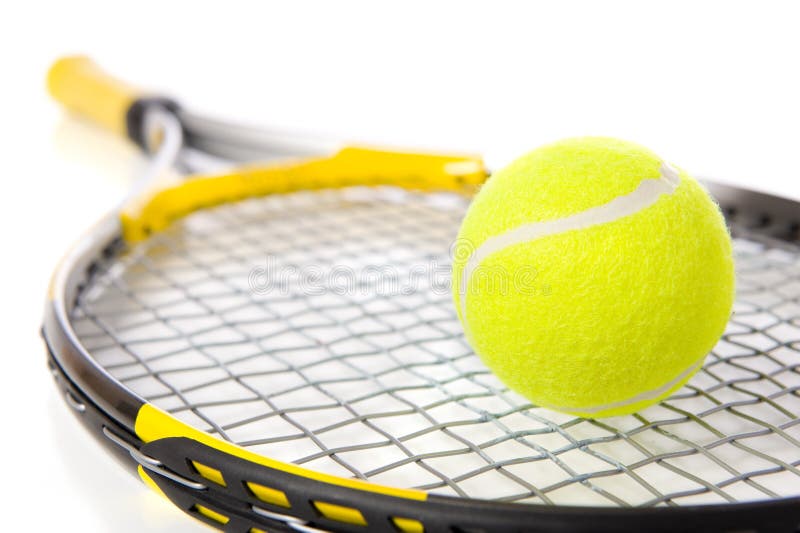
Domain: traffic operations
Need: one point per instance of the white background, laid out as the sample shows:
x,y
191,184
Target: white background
x,y
712,86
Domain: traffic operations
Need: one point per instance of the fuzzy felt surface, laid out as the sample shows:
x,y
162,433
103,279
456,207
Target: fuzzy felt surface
x,y
595,317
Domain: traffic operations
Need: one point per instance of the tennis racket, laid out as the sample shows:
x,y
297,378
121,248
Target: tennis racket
x,y
264,332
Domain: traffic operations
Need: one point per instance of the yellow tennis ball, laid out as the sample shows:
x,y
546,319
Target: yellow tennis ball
x,y
593,277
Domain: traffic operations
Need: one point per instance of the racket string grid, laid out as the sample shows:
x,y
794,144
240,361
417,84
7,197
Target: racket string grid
x,y
367,375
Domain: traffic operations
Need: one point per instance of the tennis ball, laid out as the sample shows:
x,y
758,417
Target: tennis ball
x,y
593,277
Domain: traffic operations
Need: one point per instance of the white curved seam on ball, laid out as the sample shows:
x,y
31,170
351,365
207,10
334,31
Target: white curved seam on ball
x,y
647,395
645,195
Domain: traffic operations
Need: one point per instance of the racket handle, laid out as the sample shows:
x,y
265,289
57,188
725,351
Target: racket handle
x,y
83,88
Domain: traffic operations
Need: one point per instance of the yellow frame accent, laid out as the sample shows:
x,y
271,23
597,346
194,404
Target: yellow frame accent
x,y
154,424
408,525
352,166
149,481
210,513
269,495
340,513
211,474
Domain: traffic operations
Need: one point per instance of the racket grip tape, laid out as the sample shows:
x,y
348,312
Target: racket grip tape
x,y
83,88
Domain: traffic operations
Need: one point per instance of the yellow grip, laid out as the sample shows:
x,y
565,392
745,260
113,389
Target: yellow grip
x,y
82,87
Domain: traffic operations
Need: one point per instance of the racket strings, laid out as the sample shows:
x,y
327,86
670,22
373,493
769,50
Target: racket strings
x,y
318,328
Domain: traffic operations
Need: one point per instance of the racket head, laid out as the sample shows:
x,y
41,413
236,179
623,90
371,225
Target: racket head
x,y
515,468
188,461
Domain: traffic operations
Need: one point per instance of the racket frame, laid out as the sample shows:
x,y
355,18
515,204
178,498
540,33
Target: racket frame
x,y
231,488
